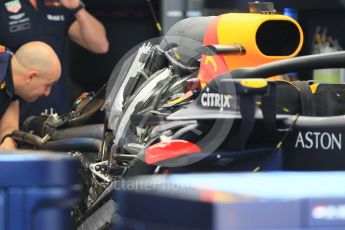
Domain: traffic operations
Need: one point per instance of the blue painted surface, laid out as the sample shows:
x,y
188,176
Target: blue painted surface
x,y
37,190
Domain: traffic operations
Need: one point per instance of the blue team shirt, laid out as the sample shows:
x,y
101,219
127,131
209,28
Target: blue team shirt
x,y
6,82
20,23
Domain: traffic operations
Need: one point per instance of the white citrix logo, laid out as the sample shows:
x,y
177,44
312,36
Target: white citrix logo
x,y
319,140
217,100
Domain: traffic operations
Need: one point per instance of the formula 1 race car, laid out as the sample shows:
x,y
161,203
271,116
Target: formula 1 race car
x,y
201,99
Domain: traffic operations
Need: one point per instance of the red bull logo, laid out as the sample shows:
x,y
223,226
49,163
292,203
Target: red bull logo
x,y
52,3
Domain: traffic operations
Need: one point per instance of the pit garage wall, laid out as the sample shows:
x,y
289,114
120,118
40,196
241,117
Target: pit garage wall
x,y
128,22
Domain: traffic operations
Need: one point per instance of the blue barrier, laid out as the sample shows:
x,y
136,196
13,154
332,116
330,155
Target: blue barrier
x,y
37,190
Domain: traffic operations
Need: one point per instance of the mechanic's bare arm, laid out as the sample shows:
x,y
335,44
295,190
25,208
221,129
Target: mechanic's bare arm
x,y
87,31
8,123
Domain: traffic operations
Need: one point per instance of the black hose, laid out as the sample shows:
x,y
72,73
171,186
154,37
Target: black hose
x,y
80,144
37,125
184,130
28,138
158,97
87,131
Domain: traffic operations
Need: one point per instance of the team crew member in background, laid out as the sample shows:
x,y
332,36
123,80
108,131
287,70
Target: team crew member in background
x,y
29,74
50,21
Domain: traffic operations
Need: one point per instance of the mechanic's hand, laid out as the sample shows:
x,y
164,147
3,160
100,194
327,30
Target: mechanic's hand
x,y
8,144
70,4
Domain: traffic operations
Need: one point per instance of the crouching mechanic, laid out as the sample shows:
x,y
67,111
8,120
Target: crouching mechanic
x,y
29,74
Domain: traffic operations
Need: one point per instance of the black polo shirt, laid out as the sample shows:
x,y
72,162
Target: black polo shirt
x,y
6,82
20,23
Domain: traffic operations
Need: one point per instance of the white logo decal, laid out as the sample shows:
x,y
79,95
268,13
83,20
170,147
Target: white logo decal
x,y
17,16
215,100
316,140
20,27
56,17
13,6
330,212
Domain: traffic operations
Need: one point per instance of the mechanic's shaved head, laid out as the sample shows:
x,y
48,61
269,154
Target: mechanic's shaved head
x,y
39,56
35,68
